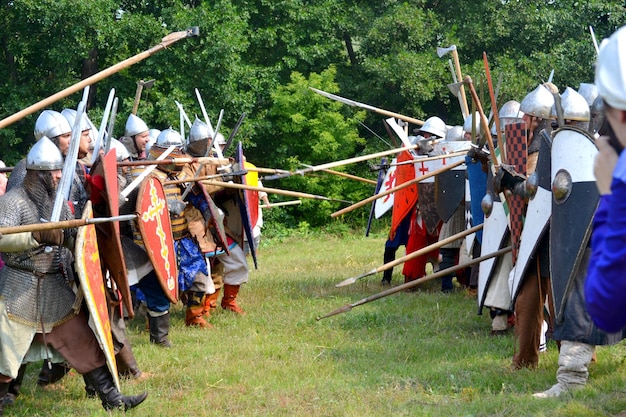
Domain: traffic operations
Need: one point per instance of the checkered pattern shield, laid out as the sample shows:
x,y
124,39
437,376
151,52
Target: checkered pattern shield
x,y
517,154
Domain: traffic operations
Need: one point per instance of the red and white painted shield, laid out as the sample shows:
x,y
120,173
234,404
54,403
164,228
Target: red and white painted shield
x,y
153,219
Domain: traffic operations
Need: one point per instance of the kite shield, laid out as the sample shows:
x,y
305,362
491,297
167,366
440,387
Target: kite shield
x,y
153,220
89,273
108,233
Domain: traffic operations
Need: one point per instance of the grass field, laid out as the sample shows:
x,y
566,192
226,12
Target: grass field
x,y
421,353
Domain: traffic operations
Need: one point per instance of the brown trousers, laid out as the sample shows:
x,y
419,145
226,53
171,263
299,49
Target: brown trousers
x,y
529,315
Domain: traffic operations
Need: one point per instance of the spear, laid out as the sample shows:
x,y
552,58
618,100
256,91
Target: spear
x,y
430,158
165,42
270,190
394,189
339,163
65,224
206,177
343,174
282,203
415,283
367,107
175,161
412,255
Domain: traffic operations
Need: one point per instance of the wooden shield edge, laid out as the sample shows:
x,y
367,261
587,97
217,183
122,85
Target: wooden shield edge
x,y
87,260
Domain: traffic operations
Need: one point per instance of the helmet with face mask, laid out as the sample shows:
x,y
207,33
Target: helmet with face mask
x,y
199,135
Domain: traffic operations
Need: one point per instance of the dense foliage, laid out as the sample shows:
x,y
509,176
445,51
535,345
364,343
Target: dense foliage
x,y
260,56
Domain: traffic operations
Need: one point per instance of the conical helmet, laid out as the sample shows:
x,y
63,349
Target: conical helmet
x,y
538,102
510,110
134,125
70,115
455,133
169,137
199,131
121,153
219,139
435,126
44,156
589,92
472,119
574,106
51,123
610,69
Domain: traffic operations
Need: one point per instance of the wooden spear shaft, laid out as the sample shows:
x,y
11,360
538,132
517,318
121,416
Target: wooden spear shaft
x,y
65,224
174,161
412,255
494,107
394,189
483,119
165,42
253,188
282,203
415,283
342,162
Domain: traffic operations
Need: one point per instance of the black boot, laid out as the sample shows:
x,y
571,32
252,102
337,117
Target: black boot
x,y
111,398
14,386
4,388
90,391
51,372
159,329
389,256
126,363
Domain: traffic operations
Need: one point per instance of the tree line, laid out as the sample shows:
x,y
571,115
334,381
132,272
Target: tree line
x,y
259,57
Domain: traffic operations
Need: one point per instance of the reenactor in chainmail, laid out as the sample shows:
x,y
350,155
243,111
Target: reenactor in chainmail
x,y
40,313
136,137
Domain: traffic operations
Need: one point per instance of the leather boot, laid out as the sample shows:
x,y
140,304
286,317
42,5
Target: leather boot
x,y
126,363
229,300
195,310
4,389
14,386
159,330
210,301
111,398
51,373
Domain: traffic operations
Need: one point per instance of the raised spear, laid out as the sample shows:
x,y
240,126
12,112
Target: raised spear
x,y
338,163
411,255
268,190
396,188
165,42
415,283
367,107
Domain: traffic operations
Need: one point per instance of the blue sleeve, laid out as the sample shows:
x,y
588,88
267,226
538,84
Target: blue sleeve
x,y
605,287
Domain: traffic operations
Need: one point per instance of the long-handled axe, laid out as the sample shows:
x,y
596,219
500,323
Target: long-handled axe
x,y
455,56
141,84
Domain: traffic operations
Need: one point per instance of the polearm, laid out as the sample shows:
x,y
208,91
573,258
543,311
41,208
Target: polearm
x,y
266,189
416,160
494,108
175,161
367,107
206,177
415,283
396,188
412,255
282,203
345,175
339,163
165,42
65,224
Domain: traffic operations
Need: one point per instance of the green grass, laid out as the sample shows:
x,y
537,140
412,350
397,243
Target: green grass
x,y
422,353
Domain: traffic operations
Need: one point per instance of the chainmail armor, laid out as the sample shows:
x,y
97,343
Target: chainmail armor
x,y
37,284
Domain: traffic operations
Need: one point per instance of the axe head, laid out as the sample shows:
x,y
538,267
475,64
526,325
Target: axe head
x,y
455,88
442,51
147,84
